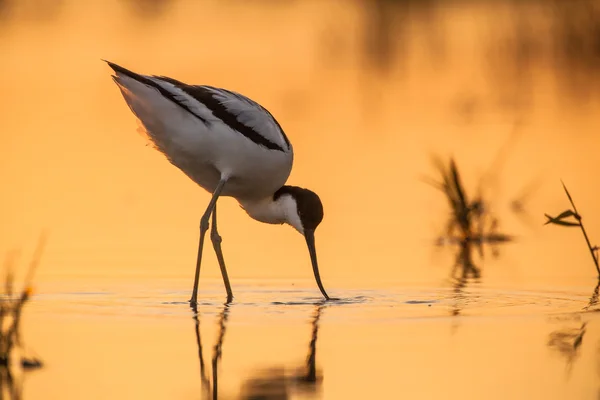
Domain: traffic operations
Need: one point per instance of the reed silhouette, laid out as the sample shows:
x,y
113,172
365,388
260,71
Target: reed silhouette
x,y
14,361
572,218
470,225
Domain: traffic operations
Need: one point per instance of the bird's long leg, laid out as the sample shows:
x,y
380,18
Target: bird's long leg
x,y
216,241
203,229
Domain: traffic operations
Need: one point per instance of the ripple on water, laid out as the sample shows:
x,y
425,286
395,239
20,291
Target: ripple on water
x,y
351,304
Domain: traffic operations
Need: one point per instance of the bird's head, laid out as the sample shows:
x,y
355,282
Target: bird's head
x,y
304,211
302,208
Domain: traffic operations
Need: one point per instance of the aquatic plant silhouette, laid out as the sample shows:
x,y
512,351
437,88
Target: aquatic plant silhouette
x,y
594,297
12,356
469,227
470,224
572,218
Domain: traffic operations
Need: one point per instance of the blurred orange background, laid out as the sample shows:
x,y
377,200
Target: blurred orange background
x,y
366,92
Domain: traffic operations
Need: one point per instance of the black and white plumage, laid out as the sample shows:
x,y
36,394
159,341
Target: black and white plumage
x,y
229,145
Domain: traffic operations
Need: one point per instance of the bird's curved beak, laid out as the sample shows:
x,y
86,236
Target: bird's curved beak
x,y
309,235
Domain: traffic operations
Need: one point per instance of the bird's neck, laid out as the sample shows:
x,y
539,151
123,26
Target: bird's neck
x,y
280,211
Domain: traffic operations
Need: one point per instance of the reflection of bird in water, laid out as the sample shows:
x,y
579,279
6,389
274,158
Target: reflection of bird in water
x,y
271,383
229,145
274,384
204,382
312,377
217,353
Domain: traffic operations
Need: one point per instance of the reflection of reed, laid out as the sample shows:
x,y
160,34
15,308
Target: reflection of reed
x,y
11,383
593,298
11,389
598,366
464,262
567,342
458,296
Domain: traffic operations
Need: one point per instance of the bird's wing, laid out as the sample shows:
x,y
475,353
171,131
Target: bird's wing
x,y
237,111
210,104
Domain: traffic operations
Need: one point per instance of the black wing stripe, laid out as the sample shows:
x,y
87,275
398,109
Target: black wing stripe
x,y
150,82
205,96
287,141
255,104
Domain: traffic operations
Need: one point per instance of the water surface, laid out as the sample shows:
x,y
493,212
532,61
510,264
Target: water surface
x,y
367,92
140,341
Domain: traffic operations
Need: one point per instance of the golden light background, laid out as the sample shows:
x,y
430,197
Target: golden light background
x,y
367,91
72,162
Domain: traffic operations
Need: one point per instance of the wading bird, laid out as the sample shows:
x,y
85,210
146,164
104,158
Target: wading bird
x,y
230,146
